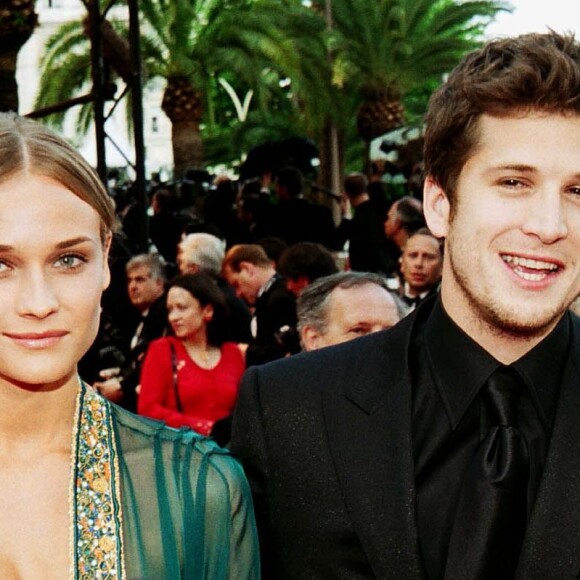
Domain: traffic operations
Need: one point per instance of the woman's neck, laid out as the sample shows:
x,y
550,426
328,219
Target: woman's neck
x,y
37,418
197,341
202,352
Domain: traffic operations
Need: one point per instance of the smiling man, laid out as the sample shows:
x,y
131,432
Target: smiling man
x,y
447,446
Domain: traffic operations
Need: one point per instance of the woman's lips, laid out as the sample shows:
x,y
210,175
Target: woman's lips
x,y
37,340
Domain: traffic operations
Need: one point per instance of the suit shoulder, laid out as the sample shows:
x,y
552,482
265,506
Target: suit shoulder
x,y
335,364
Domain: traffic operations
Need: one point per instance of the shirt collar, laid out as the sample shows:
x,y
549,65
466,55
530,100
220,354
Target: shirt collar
x,y
267,285
408,293
459,366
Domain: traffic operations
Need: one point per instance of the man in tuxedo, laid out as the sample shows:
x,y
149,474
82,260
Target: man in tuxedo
x,y
420,265
447,446
247,268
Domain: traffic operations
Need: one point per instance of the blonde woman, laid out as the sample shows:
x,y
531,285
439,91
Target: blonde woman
x,y
88,489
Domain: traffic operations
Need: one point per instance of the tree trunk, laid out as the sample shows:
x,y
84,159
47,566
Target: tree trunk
x,y
8,85
187,147
331,151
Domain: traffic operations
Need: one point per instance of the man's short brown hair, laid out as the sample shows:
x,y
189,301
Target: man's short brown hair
x,y
531,72
251,253
355,184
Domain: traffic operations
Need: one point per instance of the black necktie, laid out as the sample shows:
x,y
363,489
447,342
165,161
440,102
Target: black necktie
x,y
490,520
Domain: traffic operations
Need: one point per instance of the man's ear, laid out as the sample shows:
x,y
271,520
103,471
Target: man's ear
x,y
309,338
247,267
436,208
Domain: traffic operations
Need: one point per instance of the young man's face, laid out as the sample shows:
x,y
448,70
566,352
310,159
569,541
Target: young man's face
x,y
512,256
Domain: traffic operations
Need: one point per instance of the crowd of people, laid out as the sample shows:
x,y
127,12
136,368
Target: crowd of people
x,y
180,350
241,403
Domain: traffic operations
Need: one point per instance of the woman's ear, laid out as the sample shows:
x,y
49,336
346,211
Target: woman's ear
x,y
106,269
207,312
436,208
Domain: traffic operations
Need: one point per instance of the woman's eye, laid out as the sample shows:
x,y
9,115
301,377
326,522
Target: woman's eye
x,y
70,261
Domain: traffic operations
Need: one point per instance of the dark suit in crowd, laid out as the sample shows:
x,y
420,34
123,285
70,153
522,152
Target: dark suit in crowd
x,y
275,321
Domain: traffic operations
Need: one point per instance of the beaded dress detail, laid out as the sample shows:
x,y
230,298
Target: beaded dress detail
x,y
95,498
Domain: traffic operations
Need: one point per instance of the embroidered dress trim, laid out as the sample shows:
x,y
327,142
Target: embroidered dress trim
x,y
95,498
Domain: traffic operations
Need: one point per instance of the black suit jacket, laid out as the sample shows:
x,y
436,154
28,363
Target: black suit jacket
x,y
325,438
275,312
369,249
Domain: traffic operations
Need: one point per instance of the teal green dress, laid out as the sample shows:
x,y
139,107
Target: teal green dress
x,y
150,502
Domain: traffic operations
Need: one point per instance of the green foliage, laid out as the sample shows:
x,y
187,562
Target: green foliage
x,y
397,45
400,46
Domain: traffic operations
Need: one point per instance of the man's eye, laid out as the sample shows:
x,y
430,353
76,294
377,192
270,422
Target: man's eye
x,y
357,330
512,182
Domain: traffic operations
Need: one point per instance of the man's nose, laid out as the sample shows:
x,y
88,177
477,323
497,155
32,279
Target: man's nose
x,y
547,220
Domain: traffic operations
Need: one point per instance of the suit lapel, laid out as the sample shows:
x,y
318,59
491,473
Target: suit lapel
x,y
369,431
552,544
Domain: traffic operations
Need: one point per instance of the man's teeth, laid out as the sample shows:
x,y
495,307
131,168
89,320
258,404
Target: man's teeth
x,y
519,263
529,263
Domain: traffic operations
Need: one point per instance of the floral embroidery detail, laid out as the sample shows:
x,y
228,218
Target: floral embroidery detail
x,y
96,508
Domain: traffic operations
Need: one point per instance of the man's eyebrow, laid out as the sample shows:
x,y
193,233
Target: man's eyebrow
x,y
522,168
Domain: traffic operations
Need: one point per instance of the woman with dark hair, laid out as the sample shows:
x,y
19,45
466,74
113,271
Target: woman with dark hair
x,y
192,378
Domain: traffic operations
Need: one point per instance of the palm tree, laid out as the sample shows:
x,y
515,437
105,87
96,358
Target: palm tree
x,y
189,44
385,48
17,22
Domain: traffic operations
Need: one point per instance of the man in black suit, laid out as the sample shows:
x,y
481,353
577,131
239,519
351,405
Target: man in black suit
x,y
420,264
447,446
369,250
294,218
247,268
146,289
303,263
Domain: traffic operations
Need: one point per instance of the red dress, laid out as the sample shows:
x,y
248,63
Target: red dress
x,y
206,394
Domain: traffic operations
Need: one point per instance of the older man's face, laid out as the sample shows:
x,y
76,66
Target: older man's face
x,y
143,288
354,312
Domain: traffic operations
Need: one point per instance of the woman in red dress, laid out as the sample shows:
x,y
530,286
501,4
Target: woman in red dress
x,y
192,379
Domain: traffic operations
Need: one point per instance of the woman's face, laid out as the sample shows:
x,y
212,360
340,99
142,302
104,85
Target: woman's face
x,y
187,316
53,270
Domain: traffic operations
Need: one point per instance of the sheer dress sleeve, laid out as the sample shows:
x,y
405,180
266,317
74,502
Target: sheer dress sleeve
x,y
187,508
